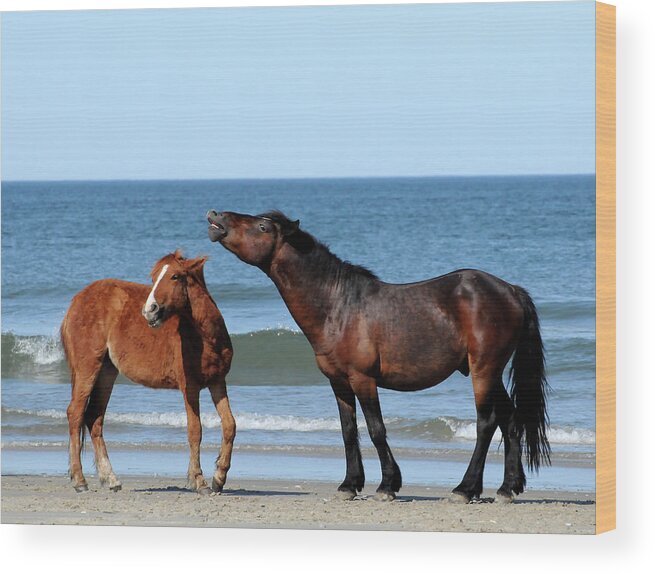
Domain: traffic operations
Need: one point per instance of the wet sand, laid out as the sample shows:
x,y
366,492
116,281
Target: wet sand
x,y
157,501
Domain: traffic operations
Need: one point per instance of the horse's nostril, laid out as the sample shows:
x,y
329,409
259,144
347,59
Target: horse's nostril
x,y
154,307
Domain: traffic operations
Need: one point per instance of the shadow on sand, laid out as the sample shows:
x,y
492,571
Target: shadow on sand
x,y
226,492
490,500
400,500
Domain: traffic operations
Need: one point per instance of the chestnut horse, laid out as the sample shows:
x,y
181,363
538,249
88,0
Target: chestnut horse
x,y
367,334
167,336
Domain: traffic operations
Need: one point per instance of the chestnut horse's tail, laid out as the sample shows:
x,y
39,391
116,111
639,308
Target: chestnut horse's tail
x,y
64,338
529,386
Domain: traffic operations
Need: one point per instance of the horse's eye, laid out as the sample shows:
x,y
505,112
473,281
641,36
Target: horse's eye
x,y
262,227
175,277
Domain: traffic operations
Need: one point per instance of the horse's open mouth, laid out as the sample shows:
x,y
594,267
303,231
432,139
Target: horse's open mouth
x,y
216,230
155,322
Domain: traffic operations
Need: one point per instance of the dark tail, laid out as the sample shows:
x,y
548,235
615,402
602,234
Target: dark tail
x,y
529,386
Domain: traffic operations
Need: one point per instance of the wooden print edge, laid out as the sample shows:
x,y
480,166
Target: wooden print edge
x,y
605,267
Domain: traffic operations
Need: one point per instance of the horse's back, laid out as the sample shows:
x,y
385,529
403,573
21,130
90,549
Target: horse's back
x,y
94,311
104,298
472,298
444,294
485,309
481,295
424,331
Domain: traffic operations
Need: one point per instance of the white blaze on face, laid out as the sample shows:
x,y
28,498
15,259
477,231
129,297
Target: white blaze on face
x,y
151,298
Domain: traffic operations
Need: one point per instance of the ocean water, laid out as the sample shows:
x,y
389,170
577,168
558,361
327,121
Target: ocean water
x,y
538,232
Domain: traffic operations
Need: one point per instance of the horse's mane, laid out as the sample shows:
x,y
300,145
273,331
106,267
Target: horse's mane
x,y
318,255
175,257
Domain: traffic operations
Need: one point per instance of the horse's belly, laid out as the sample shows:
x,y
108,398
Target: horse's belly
x,y
147,367
413,382
150,381
146,375
417,372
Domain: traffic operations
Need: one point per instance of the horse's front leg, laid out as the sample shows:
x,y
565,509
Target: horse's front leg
x,y
229,427
367,393
354,481
196,481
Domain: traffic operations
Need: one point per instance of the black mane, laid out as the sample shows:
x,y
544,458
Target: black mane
x,y
318,254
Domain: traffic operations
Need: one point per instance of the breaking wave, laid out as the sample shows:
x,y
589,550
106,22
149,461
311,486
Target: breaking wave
x,y
441,429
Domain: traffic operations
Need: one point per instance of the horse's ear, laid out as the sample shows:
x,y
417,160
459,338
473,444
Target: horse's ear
x,y
291,228
178,254
195,265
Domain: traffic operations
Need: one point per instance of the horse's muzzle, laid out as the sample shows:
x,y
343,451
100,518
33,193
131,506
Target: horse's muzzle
x,y
155,317
217,229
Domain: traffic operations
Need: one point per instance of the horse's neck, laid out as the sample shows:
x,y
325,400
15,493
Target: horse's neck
x,y
204,313
311,300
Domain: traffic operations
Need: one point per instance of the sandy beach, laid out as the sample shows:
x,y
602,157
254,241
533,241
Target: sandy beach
x,y
155,501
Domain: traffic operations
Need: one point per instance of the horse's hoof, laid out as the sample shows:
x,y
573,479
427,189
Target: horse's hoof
x,y
459,498
81,488
116,487
216,487
204,491
384,496
503,498
345,495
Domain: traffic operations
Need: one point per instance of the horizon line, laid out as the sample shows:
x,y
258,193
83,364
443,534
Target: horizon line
x,y
294,178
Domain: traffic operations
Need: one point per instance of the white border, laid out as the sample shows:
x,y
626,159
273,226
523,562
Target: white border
x,y
111,549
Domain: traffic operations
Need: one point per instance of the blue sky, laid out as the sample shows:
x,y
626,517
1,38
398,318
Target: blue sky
x,y
299,92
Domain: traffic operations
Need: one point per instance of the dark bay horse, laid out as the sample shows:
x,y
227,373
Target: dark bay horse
x,y
367,334
167,336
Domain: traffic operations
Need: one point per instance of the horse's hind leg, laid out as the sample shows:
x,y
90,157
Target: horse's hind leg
x,y
94,418
485,388
229,428
83,378
514,479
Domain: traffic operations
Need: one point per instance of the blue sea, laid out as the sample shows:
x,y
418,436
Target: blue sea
x,y
57,237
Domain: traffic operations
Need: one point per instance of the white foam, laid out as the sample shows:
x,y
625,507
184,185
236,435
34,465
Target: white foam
x,y
571,435
253,421
44,413
42,350
467,430
245,421
463,430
